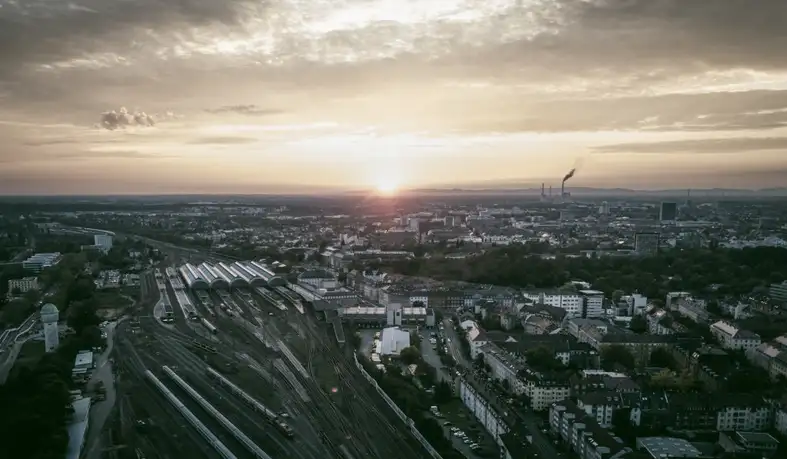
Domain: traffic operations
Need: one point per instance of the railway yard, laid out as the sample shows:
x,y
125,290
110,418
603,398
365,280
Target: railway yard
x,y
243,373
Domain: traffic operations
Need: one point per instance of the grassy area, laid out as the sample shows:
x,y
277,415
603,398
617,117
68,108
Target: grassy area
x,y
111,300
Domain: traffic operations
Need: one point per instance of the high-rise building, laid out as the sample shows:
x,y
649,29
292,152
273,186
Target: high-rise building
x,y
103,242
668,212
49,317
647,243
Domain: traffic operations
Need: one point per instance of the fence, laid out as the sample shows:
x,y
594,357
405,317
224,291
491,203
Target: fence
x,y
399,413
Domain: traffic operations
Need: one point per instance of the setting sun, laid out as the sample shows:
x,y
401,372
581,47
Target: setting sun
x,y
387,187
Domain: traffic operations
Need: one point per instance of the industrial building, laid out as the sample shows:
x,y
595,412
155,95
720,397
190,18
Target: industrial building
x,y
39,261
392,341
227,276
83,366
77,427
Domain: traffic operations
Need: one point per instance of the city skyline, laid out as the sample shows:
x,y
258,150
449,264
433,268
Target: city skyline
x,y
237,97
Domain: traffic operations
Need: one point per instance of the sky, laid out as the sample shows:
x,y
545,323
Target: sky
x,y
238,96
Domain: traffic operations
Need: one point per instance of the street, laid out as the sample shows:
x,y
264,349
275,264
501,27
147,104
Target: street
x,y
100,410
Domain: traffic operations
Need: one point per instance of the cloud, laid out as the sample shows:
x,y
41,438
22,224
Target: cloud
x,y
223,140
734,145
122,118
249,109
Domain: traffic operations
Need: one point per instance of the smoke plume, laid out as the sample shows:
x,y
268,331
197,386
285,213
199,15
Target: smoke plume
x,y
122,118
569,175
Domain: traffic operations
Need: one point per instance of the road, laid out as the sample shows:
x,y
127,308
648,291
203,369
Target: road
x,y
100,410
429,353
454,347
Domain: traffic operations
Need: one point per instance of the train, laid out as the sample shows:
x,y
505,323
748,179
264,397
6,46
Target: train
x,y
211,328
276,420
204,347
206,433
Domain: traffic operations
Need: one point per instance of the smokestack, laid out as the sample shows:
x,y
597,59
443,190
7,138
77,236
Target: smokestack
x,y
563,184
542,189
550,191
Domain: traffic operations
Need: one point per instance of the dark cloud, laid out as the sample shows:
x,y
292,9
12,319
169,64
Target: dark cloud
x,y
735,145
249,109
225,140
122,118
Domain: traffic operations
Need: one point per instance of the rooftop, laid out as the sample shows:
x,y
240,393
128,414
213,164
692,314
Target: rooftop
x,y
667,447
77,428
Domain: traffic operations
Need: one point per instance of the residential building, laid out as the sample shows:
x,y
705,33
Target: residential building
x,y
600,406
732,337
582,434
637,304
592,303
494,418
22,285
778,292
544,389
571,302
504,366
39,261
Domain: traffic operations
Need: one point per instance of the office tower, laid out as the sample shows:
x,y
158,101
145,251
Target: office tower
x,y
668,212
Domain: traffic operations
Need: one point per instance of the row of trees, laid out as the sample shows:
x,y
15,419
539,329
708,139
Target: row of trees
x,y
415,402
734,271
35,399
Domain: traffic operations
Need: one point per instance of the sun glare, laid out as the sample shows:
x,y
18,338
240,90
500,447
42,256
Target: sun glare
x,y
387,187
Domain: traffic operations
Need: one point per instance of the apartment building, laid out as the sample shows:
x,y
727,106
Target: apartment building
x,y
592,303
732,337
745,417
504,366
582,434
568,301
600,406
544,389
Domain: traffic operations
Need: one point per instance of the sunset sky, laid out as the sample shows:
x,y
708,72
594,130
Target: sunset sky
x,y
293,95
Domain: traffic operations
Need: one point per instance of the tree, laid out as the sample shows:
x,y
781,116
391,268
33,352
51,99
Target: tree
x,y
543,359
638,324
443,393
410,355
662,358
617,355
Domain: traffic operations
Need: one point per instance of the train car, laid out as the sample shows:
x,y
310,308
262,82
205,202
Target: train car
x,y
211,328
284,428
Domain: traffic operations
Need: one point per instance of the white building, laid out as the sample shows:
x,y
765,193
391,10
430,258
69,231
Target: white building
x,y
592,303
103,242
393,340
744,418
504,367
23,285
600,406
40,261
570,302
732,337
637,304
49,317
483,411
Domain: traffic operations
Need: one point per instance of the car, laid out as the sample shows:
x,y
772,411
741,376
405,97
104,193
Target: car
x,y
456,434
447,424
